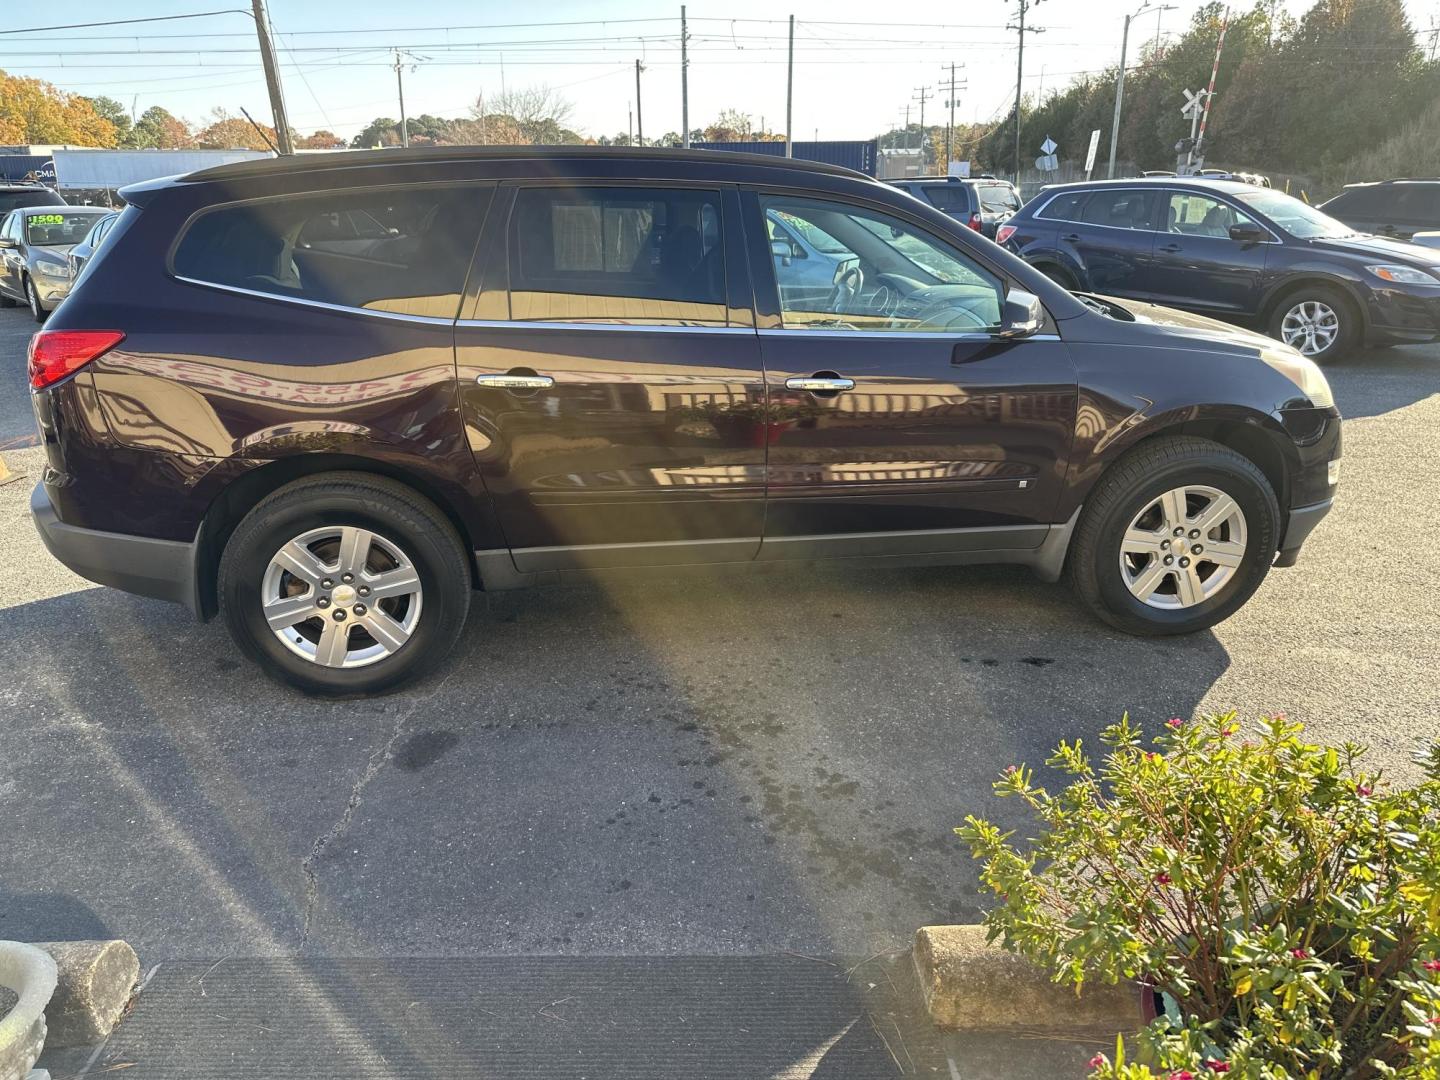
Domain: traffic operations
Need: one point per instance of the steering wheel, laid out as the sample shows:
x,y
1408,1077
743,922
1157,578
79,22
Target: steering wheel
x,y
847,287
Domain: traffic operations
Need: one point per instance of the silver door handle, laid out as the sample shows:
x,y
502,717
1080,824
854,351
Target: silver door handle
x,y
819,384
516,382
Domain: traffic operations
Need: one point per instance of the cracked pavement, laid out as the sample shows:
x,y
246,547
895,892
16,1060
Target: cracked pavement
x,y
697,768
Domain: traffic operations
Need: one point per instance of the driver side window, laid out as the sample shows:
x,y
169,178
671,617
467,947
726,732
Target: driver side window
x,y
866,270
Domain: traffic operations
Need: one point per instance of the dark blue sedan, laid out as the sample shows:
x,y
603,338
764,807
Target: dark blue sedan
x,y
1235,252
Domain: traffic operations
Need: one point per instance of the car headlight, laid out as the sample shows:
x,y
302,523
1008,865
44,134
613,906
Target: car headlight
x,y
1303,372
51,268
1403,275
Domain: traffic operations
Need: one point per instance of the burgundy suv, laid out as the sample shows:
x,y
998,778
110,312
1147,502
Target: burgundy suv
x,y
327,397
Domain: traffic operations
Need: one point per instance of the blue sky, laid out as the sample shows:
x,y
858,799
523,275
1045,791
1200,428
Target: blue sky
x,y
854,72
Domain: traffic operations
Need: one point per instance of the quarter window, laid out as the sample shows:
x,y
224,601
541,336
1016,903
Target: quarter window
x,y
619,255
951,198
1064,207
878,273
1199,215
403,251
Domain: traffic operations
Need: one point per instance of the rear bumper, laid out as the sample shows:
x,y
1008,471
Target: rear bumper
x,y
162,569
1303,520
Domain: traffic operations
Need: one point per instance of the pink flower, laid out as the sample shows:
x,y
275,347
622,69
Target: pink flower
x,y
1182,1074
1218,1066
1363,791
1162,878
1097,1061
1151,755
1174,723
1300,954
1431,965
1011,770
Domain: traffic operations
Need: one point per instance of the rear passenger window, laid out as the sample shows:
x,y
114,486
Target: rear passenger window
x,y
403,251
1064,207
950,198
619,255
1418,203
1119,209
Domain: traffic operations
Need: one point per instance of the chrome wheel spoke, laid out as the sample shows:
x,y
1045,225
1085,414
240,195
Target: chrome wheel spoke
x,y
398,582
1188,587
354,549
287,611
301,562
1220,510
1223,553
1148,569
1149,579
334,644
1172,505
385,630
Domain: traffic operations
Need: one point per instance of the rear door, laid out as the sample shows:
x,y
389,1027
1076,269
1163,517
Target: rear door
x,y
1368,209
610,376
1112,241
1197,266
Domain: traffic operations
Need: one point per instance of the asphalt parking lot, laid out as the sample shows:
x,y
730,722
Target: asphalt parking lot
x,y
675,803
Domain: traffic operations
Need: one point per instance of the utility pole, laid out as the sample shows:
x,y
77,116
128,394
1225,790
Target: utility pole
x,y
272,77
400,86
790,90
639,112
684,82
629,125
924,92
1119,98
1025,5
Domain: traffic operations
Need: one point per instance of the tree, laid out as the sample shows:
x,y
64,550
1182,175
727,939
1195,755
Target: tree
x,y
112,110
226,132
33,111
382,131
321,140
730,126
534,115
158,129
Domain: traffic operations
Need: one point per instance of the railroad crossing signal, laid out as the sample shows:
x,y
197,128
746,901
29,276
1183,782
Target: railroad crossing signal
x,y
1194,104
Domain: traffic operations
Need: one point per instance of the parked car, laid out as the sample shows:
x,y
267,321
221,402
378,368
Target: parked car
x,y
81,252
34,241
811,258
1426,239
571,362
26,194
1394,208
1236,252
982,204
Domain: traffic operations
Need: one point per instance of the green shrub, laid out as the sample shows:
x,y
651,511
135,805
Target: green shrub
x,y
1285,901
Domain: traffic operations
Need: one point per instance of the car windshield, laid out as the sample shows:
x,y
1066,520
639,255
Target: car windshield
x,y
1295,217
60,229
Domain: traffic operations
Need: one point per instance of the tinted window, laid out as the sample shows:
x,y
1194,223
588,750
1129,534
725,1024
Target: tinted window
x,y
9,200
1365,202
1064,207
59,229
952,198
997,198
413,263
1199,215
629,255
1120,209
1419,203
891,277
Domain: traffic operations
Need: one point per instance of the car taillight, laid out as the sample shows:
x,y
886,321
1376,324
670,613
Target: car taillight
x,y
1004,233
974,221
58,354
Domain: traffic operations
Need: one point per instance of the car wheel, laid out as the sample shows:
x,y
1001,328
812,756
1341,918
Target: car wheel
x,y
1176,537
345,584
1059,275
37,312
1319,321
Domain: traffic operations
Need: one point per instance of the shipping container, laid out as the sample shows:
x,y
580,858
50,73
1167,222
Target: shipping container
x,y
17,167
111,169
859,156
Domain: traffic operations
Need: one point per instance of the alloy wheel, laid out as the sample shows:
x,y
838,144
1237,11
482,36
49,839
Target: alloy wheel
x,y
1310,326
341,596
33,297
1183,547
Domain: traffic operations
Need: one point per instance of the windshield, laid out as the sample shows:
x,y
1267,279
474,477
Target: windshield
x,y
58,229
1295,217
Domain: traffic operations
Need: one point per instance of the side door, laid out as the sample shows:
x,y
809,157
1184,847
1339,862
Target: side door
x,y
1368,209
10,257
1199,266
610,376
1112,241
900,422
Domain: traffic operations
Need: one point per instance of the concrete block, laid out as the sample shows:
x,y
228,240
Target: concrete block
x,y
96,979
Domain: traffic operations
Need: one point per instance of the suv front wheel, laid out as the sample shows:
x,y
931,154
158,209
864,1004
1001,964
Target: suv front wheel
x,y
345,584
1176,537
1317,320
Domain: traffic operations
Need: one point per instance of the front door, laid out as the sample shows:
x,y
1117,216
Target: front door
x,y
1197,266
610,377
901,424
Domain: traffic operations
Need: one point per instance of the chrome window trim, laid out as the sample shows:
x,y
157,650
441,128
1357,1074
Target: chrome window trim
x,y
399,316
890,335
647,328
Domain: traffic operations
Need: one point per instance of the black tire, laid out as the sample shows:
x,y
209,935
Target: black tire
x,y
1351,327
37,311
1131,484
1059,275
395,513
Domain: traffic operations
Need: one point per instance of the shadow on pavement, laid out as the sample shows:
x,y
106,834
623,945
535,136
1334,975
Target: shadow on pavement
x,y
1376,381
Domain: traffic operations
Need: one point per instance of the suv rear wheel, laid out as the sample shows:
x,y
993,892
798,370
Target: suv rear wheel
x,y
345,583
1318,320
1177,536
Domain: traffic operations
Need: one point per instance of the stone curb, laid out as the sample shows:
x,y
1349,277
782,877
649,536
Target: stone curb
x,y
969,985
96,980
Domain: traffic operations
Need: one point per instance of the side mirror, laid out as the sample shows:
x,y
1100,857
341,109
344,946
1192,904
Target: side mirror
x,y
8,242
1021,316
1247,233
783,250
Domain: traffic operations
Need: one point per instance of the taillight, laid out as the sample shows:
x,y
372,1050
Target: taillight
x,y
58,354
974,221
1004,233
